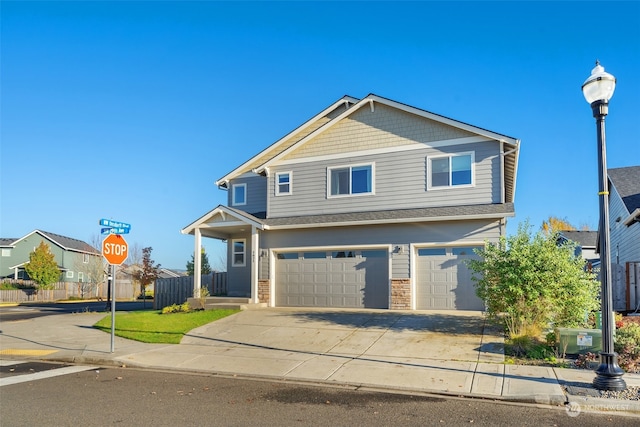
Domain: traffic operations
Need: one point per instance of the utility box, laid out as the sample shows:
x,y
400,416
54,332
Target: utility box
x,y
579,341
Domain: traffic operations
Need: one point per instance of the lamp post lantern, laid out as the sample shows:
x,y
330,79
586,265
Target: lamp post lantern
x,y
597,90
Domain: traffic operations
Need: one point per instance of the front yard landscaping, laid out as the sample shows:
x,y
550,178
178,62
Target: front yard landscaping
x,y
156,327
528,350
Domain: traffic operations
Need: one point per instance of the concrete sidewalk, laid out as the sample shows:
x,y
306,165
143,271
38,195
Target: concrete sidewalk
x,y
421,352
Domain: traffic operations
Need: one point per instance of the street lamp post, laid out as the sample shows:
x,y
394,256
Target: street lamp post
x,y
597,90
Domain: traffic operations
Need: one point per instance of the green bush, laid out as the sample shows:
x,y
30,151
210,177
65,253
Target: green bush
x,y
9,286
627,345
529,281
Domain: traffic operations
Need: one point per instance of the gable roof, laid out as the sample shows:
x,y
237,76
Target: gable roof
x,y
584,238
66,243
289,139
627,183
328,118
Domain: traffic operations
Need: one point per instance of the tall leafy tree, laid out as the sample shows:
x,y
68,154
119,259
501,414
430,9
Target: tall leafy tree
x,y
205,268
42,267
149,271
528,282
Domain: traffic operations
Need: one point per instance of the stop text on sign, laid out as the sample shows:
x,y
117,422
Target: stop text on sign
x,y
115,249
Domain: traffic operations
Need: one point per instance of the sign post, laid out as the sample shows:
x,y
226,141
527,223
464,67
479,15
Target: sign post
x,y
115,250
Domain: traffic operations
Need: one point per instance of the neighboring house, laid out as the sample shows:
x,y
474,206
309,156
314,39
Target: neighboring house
x,y
624,226
72,255
369,204
586,242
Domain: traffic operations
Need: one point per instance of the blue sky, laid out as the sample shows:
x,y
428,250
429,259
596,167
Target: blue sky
x,y
131,110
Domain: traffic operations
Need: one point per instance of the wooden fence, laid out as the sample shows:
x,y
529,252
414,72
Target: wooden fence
x,y
62,291
176,290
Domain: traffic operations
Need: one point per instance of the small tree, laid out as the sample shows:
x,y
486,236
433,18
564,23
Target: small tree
x,y
530,281
149,272
42,267
205,268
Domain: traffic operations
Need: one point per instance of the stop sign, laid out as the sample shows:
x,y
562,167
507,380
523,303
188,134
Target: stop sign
x,y
115,249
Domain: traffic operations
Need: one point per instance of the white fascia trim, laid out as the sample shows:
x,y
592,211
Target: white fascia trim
x,y
445,120
368,100
201,222
344,100
396,149
313,134
390,221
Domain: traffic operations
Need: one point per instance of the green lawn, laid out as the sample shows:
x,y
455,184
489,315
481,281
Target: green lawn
x,y
155,327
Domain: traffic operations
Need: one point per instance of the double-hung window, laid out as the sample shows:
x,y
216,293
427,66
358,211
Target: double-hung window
x,y
450,171
238,248
350,180
239,194
283,183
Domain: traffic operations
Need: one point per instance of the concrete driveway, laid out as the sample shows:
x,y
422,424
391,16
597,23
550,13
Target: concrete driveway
x,y
367,334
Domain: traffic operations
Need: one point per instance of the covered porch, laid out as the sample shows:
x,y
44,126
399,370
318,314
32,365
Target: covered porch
x,y
243,231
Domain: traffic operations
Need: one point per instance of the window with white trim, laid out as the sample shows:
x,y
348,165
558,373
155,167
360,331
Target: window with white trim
x,y
238,249
6,252
450,171
350,180
239,194
283,183
85,258
69,274
80,276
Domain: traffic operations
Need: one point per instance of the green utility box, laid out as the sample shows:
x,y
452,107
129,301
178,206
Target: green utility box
x,y
579,341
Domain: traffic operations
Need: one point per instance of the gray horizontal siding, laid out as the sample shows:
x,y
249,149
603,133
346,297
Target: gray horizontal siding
x,y
256,193
400,182
625,241
460,232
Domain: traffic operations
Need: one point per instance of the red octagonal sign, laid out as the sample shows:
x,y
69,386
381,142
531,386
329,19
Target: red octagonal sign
x,y
115,249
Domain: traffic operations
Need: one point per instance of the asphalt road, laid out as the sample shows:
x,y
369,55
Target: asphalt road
x,y
31,310
129,397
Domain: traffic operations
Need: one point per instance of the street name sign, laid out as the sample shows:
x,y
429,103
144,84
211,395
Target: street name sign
x,y
114,224
110,230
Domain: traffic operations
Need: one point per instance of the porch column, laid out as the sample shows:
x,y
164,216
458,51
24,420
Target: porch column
x,y
255,256
197,269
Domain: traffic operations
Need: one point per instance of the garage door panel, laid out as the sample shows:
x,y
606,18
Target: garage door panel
x,y
333,279
444,281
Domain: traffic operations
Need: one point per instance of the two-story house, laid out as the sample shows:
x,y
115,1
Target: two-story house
x,y
72,255
369,204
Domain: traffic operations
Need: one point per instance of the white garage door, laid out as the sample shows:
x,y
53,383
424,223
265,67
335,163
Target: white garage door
x,y
355,278
444,281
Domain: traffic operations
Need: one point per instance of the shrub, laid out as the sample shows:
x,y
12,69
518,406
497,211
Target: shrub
x,y
177,308
528,281
584,361
627,345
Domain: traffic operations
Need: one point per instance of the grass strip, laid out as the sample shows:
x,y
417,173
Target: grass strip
x,y
157,328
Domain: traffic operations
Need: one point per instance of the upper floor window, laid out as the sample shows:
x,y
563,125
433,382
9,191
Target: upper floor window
x,y
239,194
348,180
283,183
85,258
450,171
6,252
